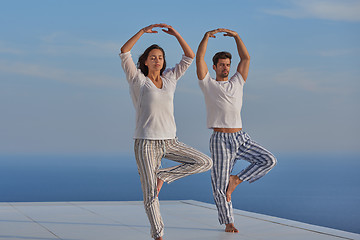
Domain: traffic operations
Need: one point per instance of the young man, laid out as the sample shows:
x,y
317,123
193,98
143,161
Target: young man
x,y
228,143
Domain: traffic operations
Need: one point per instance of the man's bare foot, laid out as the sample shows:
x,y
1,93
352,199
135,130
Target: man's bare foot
x,y
233,182
231,228
158,187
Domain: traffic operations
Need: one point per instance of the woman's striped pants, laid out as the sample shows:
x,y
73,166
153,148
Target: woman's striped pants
x,y
148,154
226,149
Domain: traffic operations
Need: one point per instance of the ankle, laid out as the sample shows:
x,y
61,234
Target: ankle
x,y
236,179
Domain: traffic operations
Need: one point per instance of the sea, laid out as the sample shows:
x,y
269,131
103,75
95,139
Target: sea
x,y
319,189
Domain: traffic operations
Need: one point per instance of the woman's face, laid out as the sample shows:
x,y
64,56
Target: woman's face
x,y
155,60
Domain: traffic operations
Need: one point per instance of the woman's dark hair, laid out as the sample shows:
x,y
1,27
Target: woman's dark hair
x,y
141,62
221,55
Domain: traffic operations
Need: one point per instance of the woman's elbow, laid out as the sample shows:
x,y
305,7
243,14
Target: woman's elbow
x,y
124,49
190,55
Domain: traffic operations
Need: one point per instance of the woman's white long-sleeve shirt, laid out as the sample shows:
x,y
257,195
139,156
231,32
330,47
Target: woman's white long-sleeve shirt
x,y
154,107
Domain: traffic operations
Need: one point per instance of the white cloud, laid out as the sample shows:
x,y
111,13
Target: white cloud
x,y
338,52
338,10
101,46
317,81
5,48
80,47
52,37
58,74
62,44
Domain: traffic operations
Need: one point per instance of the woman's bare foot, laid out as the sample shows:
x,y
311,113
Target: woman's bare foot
x,y
233,182
231,228
158,187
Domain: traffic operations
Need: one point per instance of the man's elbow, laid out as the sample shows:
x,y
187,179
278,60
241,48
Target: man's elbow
x,y
200,75
246,57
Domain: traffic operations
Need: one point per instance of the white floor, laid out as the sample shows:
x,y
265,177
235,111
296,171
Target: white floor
x,y
127,220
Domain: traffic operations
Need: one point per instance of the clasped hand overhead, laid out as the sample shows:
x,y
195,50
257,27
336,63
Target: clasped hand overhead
x,y
227,32
168,29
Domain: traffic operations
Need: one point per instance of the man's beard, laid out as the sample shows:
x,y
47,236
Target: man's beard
x,y
224,74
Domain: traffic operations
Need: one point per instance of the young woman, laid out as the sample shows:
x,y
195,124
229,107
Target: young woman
x,y
152,88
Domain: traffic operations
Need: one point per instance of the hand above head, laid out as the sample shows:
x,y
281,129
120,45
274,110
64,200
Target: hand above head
x,y
170,30
149,29
212,32
243,66
227,32
130,43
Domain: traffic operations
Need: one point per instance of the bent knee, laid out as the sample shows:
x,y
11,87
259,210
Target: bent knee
x,y
208,163
204,162
272,161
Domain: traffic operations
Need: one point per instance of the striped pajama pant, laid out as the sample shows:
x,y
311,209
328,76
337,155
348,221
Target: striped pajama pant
x,y
226,149
148,154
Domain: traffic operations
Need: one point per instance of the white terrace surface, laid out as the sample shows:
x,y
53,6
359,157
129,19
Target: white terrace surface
x,y
127,220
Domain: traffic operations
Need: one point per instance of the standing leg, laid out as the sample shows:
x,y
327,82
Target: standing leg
x,y
192,161
223,151
148,154
261,160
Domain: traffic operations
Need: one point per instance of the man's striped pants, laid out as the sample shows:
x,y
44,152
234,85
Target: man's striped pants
x,y
226,149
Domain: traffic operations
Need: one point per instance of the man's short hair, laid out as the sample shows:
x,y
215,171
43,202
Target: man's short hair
x,y
221,55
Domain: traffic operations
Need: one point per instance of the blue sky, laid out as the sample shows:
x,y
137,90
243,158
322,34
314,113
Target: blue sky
x,y
62,89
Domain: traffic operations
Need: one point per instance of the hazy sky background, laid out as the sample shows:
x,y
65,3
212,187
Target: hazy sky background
x,y
63,91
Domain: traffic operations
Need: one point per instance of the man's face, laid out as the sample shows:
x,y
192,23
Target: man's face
x,y
222,68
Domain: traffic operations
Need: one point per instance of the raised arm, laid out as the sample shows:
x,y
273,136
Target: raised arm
x,y
131,42
243,67
185,47
201,67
